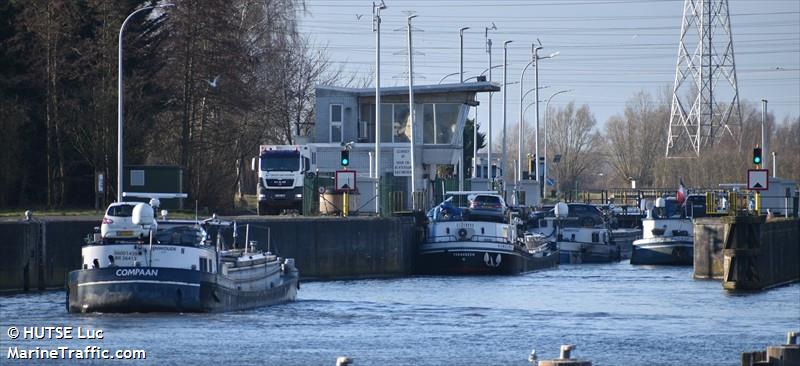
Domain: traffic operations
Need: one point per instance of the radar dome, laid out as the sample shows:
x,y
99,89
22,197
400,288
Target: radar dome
x,y
562,210
143,214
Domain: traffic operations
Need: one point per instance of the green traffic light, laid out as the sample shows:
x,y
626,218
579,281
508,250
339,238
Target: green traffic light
x,y
757,155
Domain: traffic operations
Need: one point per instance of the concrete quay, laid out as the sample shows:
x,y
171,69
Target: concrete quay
x,y
38,254
748,253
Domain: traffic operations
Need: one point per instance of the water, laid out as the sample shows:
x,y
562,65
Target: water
x,y
616,314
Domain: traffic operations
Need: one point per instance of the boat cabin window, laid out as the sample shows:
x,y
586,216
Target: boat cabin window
x,y
179,235
696,206
595,237
203,265
672,209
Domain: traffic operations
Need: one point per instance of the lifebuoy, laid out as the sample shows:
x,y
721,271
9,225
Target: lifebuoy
x,y
462,233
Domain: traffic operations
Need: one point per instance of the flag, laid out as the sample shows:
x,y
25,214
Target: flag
x,y
680,196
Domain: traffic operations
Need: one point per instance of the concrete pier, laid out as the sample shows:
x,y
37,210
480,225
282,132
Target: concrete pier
x,y
708,242
38,254
747,252
782,355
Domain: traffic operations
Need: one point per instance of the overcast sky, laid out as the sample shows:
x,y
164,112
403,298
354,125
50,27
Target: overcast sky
x,y
608,49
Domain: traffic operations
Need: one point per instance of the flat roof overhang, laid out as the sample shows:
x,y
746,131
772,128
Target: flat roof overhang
x,y
475,87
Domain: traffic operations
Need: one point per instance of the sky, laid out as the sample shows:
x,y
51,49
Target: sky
x,y
608,50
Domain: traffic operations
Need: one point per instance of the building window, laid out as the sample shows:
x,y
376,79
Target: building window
x,y
395,123
137,177
336,123
440,121
401,123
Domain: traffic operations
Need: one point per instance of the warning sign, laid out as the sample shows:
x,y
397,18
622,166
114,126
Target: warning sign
x,y
346,180
758,179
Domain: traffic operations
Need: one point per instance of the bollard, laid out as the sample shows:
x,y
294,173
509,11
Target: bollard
x,y
565,351
564,359
343,361
532,357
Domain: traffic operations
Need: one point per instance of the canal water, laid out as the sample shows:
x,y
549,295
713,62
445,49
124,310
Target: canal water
x,y
616,314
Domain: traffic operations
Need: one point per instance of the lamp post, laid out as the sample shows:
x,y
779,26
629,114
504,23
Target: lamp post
x,y
461,53
489,129
536,58
505,100
376,19
765,159
411,111
120,88
520,139
546,109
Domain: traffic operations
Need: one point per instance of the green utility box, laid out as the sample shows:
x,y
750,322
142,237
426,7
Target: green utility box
x,y
154,179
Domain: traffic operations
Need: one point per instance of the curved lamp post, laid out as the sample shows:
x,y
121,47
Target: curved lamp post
x,y
546,108
120,99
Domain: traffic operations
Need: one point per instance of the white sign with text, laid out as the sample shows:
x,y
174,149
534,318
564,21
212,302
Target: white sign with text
x,y
402,162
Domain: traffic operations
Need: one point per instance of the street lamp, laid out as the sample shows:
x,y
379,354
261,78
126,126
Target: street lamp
x,y
505,99
481,74
461,53
547,108
120,98
536,59
411,111
376,19
489,130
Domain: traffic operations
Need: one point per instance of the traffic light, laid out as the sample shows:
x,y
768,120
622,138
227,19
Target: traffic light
x,y
345,157
757,155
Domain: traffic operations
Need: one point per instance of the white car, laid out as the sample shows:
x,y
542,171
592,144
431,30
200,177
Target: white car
x,y
118,223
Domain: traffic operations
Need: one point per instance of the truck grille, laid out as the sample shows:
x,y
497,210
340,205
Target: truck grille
x,y
280,182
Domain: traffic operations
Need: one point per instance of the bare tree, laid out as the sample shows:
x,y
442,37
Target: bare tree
x,y
635,141
572,135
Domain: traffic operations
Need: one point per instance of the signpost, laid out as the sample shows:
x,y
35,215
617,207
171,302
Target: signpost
x,y
758,180
345,182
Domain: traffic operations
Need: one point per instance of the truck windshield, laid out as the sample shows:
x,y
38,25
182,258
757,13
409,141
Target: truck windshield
x,y
280,161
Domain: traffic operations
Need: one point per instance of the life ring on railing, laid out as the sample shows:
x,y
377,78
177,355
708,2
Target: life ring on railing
x,y
462,233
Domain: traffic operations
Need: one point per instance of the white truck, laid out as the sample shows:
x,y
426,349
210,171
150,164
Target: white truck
x,y
281,173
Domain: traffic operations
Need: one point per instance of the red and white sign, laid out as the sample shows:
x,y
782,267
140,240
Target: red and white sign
x,y
345,180
758,179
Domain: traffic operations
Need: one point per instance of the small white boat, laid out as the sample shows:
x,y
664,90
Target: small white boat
x,y
581,234
667,235
479,240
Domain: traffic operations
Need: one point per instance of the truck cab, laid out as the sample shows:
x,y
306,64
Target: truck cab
x,y
281,172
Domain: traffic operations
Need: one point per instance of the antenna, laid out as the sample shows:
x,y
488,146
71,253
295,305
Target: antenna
x,y
705,92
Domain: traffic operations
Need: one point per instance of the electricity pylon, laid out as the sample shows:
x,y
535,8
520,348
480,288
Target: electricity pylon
x,y
705,95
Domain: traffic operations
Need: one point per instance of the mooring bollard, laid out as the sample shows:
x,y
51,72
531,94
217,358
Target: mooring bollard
x,y
564,359
532,357
565,351
344,361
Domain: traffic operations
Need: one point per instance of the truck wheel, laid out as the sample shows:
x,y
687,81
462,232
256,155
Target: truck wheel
x,y
262,208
